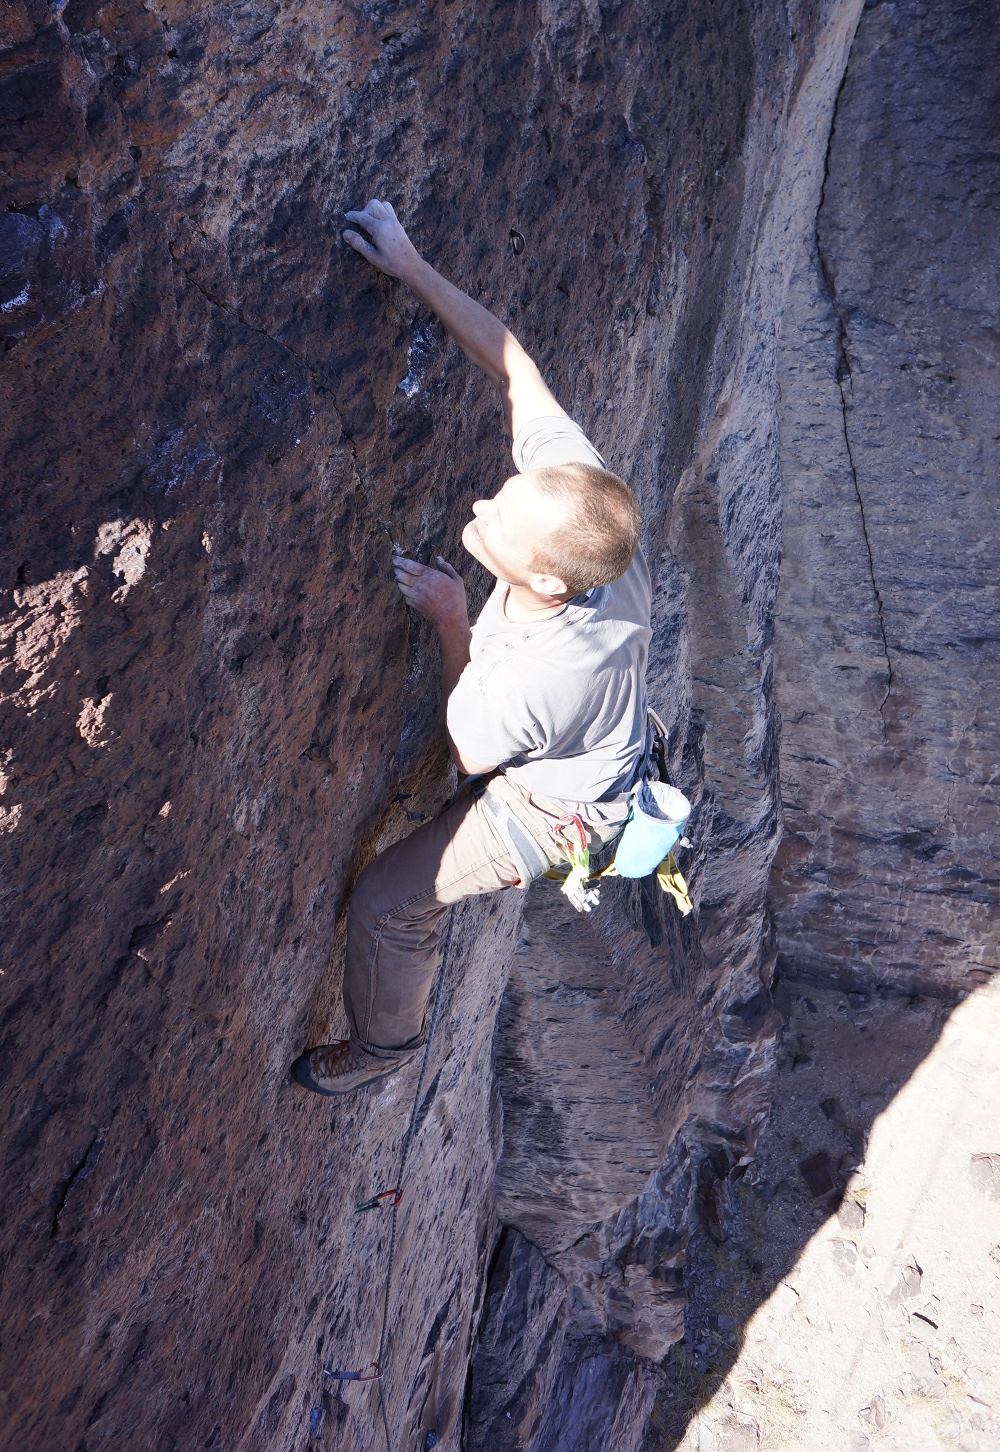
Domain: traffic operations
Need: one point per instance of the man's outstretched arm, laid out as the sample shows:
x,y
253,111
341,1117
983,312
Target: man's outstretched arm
x,y
481,336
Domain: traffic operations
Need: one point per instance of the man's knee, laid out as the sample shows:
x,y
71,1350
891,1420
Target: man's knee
x,y
371,898
388,888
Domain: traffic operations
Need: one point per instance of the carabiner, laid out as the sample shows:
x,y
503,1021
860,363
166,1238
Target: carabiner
x,y
561,833
384,1200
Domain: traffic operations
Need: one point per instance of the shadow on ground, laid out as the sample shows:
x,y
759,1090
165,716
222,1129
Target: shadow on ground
x,y
844,1058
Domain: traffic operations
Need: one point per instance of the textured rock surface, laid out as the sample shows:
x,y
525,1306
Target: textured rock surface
x,y
809,1323
215,420
889,616
715,1030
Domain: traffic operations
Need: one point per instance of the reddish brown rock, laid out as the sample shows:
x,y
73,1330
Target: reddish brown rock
x,y
215,422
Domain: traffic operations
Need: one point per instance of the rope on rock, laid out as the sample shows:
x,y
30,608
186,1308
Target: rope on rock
x,y
389,1200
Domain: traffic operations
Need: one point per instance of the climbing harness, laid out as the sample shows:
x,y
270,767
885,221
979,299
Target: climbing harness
x,y
657,815
389,1200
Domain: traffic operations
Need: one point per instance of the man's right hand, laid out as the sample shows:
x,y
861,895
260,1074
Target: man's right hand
x,y
390,250
438,595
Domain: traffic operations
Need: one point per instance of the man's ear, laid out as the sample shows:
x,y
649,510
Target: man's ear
x,y
547,584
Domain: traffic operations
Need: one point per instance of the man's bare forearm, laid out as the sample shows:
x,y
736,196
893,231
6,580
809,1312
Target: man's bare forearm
x,y
454,637
487,342
439,596
481,336
478,332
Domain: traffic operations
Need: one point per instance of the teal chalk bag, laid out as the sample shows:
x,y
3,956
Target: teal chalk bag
x,y
657,820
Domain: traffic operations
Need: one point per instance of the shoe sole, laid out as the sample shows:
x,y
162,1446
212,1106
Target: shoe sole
x,y
302,1073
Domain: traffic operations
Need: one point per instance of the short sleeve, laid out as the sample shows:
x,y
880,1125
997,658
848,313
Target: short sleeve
x,y
545,443
481,728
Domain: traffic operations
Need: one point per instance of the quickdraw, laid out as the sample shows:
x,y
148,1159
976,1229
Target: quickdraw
x,y
576,884
374,1374
668,875
384,1200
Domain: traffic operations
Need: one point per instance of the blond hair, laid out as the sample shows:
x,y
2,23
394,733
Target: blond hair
x,y
600,535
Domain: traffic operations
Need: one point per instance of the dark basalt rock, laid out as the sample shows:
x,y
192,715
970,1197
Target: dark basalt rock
x,y
887,620
216,420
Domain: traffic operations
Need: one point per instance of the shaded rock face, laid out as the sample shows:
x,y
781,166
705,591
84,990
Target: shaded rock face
x,y
887,622
215,422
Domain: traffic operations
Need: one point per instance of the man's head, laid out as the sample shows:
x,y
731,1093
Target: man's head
x,y
557,531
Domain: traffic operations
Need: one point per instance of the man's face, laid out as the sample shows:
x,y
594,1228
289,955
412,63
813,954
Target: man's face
x,y
508,529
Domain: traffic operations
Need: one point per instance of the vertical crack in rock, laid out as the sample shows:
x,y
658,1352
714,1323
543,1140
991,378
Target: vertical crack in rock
x,y
80,1172
885,875
286,347
864,530
844,374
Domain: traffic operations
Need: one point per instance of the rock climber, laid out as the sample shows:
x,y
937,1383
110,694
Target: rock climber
x,y
546,696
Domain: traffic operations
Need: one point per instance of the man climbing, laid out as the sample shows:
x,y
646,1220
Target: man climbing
x,y
545,695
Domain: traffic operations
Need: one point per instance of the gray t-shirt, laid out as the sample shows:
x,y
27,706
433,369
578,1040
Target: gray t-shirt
x,y
559,703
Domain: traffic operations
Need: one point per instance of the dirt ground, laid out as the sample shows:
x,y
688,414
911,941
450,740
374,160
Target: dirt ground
x,y
845,1292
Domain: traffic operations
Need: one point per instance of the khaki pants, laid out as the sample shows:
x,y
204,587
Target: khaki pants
x,y
396,914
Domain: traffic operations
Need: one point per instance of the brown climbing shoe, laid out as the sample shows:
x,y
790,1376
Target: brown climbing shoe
x,y
339,1067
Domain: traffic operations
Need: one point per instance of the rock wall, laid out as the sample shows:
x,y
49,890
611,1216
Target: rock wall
x,y
553,1372
887,623
215,421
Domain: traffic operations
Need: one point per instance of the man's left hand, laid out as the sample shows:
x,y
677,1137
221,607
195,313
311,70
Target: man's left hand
x,y
438,595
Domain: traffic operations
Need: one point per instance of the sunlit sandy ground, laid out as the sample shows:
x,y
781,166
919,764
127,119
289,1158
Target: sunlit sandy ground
x,y
885,1333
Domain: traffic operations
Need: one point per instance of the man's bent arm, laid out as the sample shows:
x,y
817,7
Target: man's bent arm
x,y
454,643
453,638
439,596
523,391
